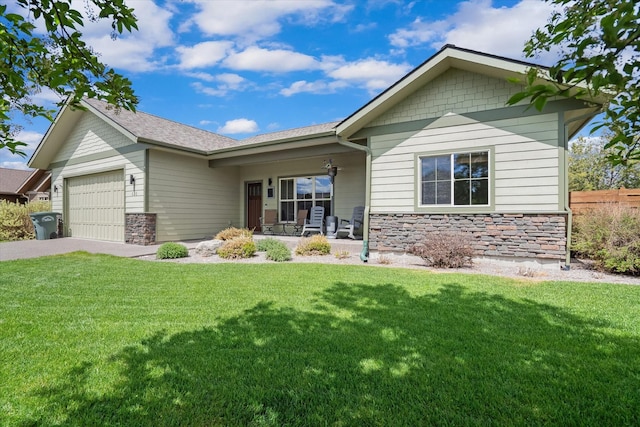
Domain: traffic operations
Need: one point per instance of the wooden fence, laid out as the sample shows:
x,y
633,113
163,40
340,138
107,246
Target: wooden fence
x,y
582,201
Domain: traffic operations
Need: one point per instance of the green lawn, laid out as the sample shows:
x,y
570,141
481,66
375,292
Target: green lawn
x,y
88,340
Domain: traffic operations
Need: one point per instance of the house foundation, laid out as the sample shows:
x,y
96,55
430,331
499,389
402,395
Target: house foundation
x,y
497,235
140,228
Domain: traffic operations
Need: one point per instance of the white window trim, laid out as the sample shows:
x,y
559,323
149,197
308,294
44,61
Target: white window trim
x,y
451,156
313,199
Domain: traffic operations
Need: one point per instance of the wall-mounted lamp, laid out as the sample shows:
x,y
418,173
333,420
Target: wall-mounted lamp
x,y
132,179
270,182
56,188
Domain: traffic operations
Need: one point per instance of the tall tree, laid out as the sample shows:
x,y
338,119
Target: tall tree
x,y
589,168
599,45
42,47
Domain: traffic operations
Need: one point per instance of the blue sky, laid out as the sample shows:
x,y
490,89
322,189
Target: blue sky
x,y
241,68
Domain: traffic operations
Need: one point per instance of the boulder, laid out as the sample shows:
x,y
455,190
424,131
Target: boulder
x,y
208,247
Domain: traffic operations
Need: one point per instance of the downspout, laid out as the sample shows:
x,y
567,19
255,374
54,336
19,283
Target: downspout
x,y
567,208
364,255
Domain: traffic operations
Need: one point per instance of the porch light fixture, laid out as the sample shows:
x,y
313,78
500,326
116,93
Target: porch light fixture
x,y
56,188
270,182
132,179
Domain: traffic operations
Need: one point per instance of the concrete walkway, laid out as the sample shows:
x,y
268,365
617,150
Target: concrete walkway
x,y
36,248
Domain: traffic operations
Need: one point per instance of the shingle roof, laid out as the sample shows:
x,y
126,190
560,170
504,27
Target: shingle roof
x,y
12,179
150,128
290,133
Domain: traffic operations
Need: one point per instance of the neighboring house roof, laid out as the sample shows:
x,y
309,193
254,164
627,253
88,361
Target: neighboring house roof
x,y
12,179
38,181
449,56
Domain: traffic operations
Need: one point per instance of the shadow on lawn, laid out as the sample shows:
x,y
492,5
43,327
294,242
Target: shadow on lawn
x,y
372,356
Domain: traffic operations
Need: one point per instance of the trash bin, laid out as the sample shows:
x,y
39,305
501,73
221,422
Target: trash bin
x,y
332,227
46,225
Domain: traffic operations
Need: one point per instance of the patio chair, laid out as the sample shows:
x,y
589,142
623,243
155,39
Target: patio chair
x,y
315,222
269,221
354,226
300,221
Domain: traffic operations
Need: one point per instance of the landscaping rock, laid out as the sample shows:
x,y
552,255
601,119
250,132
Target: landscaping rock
x,y
208,247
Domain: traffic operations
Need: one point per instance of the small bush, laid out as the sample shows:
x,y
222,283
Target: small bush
x,y
171,250
279,253
237,248
15,223
263,245
342,254
275,249
445,250
610,236
314,245
232,233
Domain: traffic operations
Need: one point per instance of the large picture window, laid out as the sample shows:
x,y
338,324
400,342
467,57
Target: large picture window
x,y
460,179
303,193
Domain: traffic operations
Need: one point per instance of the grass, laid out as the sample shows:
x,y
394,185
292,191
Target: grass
x,y
99,340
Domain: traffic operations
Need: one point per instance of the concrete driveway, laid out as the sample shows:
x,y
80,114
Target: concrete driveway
x,y
36,248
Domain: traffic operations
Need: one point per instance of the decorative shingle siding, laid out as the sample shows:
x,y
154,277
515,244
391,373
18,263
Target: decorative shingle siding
x,y
455,90
493,235
91,135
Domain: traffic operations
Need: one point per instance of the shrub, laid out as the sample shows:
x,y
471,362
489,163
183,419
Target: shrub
x,y
239,247
263,245
232,233
275,249
279,253
610,236
314,245
15,223
445,250
171,250
342,254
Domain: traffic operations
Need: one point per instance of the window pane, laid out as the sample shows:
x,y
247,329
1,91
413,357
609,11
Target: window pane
x,y
480,165
323,187
443,168
286,189
461,192
480,192
287,211
428,193
326,204
461,166
428,168
306,205
443,193
304,188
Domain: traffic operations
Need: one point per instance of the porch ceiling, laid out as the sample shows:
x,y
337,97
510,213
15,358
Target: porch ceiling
x,y
239,159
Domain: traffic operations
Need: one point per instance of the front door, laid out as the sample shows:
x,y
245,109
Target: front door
x,y
254,205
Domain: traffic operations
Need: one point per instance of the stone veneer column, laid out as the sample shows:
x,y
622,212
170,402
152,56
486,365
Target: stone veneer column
x,y
542,236
140,228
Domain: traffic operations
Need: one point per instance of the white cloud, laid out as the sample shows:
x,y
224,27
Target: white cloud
x,y
14,165
370,73
238,126
132,51
277,60
258,19
226,82
317,87
203,54
480,26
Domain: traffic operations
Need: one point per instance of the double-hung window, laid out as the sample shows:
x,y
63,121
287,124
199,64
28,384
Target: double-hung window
x,y
457,179
299,193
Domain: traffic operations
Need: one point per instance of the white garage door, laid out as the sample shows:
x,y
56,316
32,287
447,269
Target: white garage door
x,y
95,206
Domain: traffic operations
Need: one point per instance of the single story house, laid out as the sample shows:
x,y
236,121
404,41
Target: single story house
x,y
438,150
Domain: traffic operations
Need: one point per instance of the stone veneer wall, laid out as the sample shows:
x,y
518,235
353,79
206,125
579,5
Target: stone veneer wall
x,y
494,235
140,228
